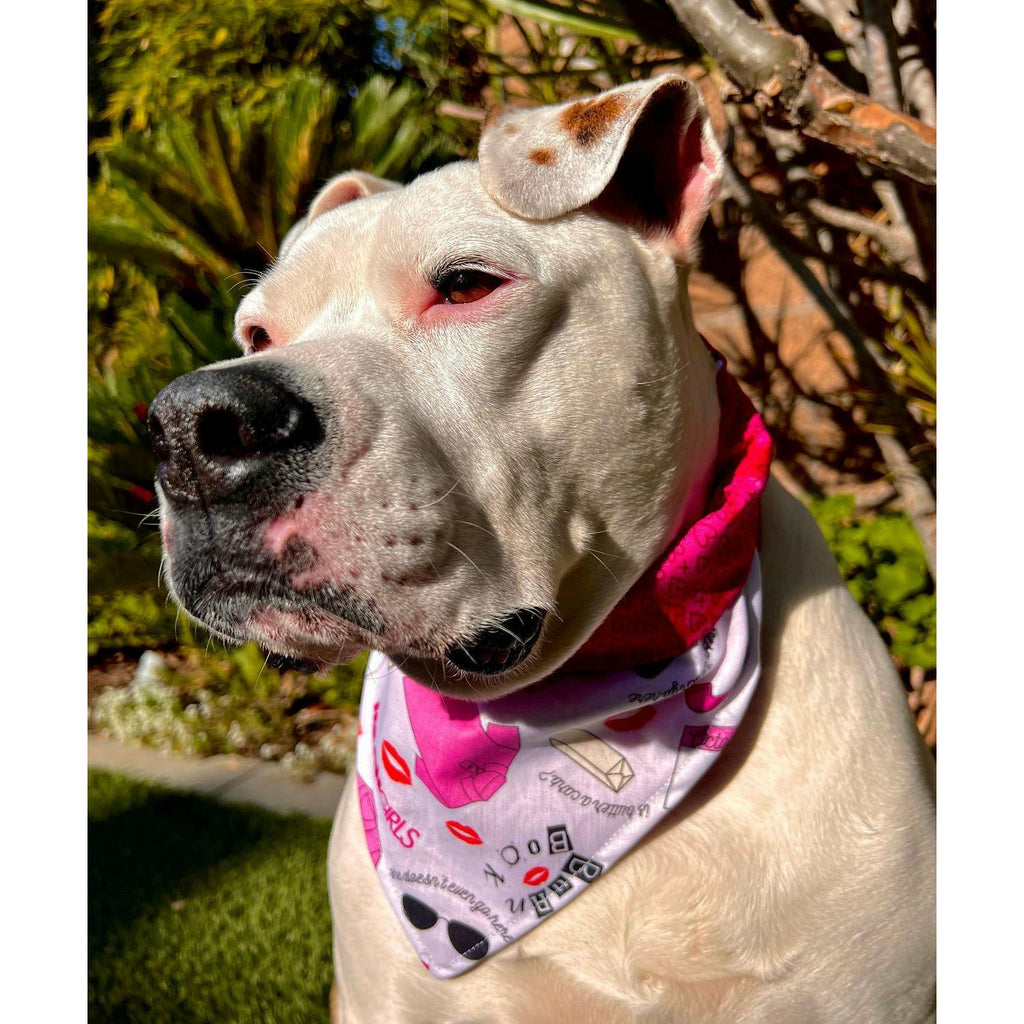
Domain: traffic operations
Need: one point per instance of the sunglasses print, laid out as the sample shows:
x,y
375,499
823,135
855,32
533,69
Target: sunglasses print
x,y
466,941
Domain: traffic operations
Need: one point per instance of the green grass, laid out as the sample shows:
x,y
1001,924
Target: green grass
x,y
201,912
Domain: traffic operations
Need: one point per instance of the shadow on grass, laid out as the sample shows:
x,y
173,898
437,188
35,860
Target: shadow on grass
x,y
201,912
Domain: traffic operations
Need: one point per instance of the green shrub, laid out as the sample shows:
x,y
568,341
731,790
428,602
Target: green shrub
x,y
130,619
126,610
154,57
884,566
232,702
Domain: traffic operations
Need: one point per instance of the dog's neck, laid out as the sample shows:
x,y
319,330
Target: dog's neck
x,y
704,567
698,373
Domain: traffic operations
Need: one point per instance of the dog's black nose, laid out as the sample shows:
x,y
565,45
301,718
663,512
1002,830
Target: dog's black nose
x,y
225,434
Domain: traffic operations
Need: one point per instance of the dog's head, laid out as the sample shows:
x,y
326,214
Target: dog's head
x,y
471,410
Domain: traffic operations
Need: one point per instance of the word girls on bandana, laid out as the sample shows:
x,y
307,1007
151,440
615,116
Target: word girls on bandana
x,y
483,819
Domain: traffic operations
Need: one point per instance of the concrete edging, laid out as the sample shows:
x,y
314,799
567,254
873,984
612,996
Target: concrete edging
x,y
233,779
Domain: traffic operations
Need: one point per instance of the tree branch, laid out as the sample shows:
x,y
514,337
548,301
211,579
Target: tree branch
x,y
918,499
896,241
882,69
898,236
751,55
918,85
790,87
840,15
880,54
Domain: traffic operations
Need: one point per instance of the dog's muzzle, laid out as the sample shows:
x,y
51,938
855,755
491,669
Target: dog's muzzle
x,y
236,446
232,435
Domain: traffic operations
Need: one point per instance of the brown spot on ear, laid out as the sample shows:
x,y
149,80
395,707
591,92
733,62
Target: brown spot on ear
x,y
588,120
492,115
510,129
542,156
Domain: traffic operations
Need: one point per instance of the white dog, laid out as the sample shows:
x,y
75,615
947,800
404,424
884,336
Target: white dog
x,y
480,434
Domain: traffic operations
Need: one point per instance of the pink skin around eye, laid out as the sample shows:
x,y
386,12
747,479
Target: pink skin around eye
x,y
435,310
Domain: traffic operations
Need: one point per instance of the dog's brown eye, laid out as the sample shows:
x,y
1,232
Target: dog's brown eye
x,y
259,338
461,286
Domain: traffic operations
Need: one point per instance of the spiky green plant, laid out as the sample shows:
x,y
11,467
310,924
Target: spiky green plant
x,y
152,58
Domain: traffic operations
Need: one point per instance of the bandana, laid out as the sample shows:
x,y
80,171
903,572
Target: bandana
x,y
483,819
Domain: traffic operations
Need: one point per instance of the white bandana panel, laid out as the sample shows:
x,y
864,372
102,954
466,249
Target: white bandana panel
x,y
484,819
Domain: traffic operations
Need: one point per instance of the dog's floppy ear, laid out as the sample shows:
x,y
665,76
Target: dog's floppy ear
x,y
643,153
343,188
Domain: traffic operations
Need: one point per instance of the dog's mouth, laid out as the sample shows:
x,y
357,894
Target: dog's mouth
x,y
500,647
491,651
229,608
315,627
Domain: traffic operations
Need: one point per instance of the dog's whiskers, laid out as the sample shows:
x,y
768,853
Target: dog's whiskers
x,y
554,614
655,380
505,629
266,661
430,673
665,376
601,561
443,496
466,522
375,676
483,575
141,516
400,661
247,277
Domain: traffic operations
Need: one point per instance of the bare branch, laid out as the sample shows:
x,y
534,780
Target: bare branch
x,y
790,87
764,9
880,54
918,499
897,242
902,16
898,237
751,55
918,85
910,256
840,15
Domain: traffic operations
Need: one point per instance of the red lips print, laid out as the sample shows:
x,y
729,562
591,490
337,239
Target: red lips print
x,y
700,698
394,764
464,832
535,876
631,720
